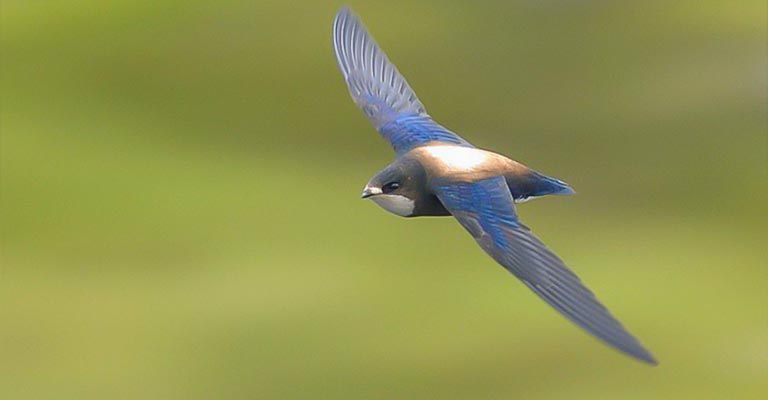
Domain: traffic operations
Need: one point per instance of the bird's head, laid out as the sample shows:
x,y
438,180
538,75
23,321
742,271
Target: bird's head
x,y
396,188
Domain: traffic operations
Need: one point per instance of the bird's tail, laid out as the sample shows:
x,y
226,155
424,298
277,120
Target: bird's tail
x,y
536,184
549,185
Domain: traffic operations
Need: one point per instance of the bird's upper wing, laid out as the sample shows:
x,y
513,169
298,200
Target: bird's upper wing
x,y
486,210
380,91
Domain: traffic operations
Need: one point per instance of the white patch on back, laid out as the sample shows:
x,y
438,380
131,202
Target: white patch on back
x,y
396,204
458,158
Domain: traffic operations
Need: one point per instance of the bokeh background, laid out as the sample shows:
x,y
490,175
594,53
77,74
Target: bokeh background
x,y
180,212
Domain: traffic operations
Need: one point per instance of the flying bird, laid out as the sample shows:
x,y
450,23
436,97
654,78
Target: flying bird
x,y
438,173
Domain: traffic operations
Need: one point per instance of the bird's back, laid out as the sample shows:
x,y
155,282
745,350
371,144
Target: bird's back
x,y
463,164
446,162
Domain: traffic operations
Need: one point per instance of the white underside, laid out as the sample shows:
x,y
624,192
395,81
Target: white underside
x,y
395,204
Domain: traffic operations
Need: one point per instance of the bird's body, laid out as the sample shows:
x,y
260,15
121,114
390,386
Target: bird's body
x,y
438,173
448,162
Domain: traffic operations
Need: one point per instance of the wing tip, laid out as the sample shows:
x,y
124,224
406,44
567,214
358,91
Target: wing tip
x,y
631,347
343,12
344,9
645,356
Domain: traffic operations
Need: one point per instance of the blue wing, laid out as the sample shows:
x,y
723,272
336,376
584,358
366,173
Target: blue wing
x,y
486,210
380,91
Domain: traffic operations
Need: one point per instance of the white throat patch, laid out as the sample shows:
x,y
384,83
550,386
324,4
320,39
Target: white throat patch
x,y
396,204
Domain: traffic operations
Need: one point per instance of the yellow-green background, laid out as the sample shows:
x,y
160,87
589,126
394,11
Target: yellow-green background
x,y
180,212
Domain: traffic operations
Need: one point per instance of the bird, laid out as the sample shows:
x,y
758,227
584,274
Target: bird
x,y
438,173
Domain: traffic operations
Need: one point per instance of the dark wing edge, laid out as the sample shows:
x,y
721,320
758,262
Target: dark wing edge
x,y
485,209
378,88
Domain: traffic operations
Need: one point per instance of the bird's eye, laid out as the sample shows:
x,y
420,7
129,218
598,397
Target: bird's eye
x,y
390,187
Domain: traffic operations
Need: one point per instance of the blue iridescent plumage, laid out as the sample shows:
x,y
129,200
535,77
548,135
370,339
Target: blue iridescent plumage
x,y
409,130
488,200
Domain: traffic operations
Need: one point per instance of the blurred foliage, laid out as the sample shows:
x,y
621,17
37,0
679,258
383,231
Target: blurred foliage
x,y
179,184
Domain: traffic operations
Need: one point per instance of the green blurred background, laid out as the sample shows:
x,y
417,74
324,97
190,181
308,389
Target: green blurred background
x,y
180,212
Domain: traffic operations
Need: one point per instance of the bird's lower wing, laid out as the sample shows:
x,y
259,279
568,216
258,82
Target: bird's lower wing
x,y
485,209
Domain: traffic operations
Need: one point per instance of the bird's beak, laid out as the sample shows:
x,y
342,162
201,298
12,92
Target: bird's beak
x,y
370,191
